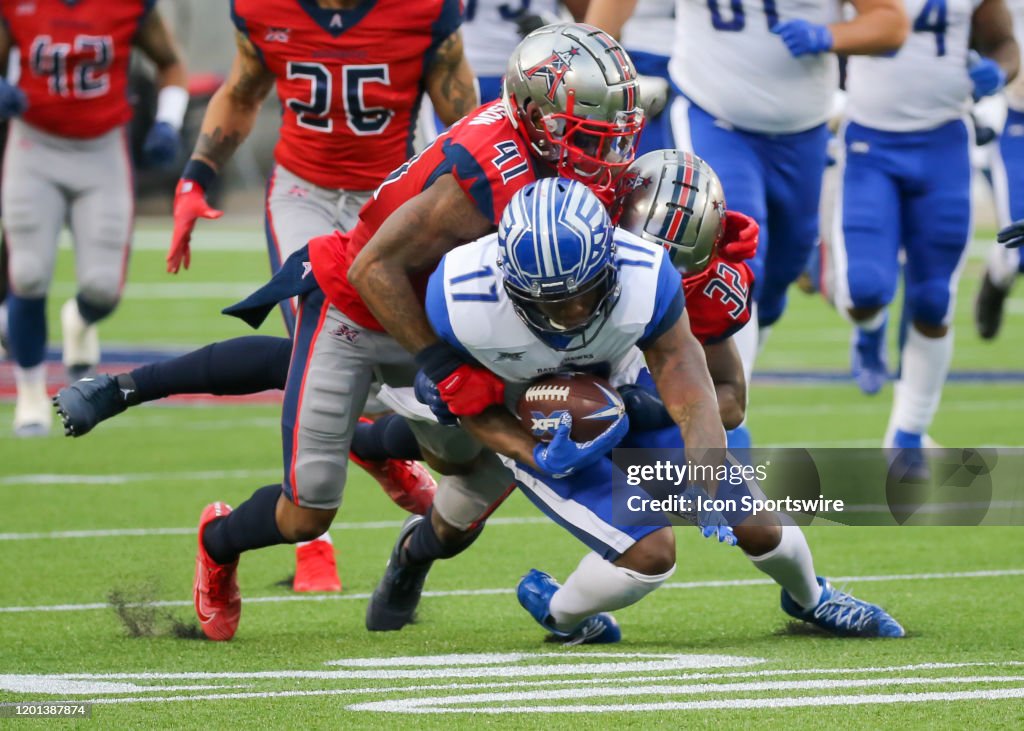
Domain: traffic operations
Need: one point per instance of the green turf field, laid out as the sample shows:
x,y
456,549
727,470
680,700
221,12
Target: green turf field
x,y
113,515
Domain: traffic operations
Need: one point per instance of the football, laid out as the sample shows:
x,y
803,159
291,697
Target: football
x,y
593,403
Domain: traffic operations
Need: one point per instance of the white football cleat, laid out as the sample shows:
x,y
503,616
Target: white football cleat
x,y
81,342
33,414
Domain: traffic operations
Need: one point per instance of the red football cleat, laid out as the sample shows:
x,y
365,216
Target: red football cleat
x,y
315,567
409,484
217,599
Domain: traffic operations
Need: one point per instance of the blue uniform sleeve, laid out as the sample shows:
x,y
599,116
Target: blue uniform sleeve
x,y
471,177
669,302
436,306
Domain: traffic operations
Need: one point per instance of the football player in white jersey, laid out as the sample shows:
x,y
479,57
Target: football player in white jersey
x,y
558,289
1008,184
644,33
907,187
755,81
491,31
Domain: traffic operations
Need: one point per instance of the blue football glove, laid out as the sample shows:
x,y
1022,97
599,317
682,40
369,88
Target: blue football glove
x,y
712,523
427,394
161,146
803,37
987,76
562,456
1012,237
12,100
646,411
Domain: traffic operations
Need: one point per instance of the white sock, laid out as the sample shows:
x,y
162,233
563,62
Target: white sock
x,y
599,586
925,366
791,565
763,333
30,378
1002,265
326,538
746,340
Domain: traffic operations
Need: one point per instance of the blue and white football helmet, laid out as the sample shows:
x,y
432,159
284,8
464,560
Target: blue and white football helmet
x,y
556,255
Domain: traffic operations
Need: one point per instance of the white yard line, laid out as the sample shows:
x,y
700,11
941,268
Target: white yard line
x,y
689,585
454,704
734,703
226,292
121,478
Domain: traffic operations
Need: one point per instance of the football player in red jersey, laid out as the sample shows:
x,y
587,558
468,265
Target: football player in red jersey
x,y
584,124
349,75
68,116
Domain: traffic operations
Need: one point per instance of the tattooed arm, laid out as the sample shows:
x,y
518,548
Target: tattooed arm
x,y
155,40
450,81
680,371
232,111
413,239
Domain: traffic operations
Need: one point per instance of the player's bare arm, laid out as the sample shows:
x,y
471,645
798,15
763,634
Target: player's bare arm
x,y
5,48
578,8
880,26
680,371
992,36
498,430
155,40
232,111
726,371
610,15
450,81
413,239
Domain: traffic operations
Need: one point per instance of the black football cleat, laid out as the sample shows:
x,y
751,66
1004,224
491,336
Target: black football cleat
x,y
988,308
394,601
87,402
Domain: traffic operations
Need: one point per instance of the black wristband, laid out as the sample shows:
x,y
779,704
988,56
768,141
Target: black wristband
x,y
199,172
439,361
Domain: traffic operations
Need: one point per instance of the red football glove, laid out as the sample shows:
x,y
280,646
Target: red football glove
x,y
189,204
739,240
469,390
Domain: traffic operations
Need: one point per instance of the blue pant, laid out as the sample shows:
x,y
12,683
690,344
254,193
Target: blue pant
x,y
657,134
909,190
776,180
585,504
1011,149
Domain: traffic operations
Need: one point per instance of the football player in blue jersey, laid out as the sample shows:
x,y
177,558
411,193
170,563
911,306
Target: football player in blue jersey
x,y
907,190
1004,264
563,290
754,85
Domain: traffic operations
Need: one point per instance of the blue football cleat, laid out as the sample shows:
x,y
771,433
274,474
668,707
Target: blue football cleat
x,y
867,360
535,591
844,615
909,461
87,402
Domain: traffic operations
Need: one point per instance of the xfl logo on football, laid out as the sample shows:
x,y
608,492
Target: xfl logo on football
x,y
545,424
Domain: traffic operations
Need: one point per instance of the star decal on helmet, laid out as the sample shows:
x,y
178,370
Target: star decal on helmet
x,y
553,69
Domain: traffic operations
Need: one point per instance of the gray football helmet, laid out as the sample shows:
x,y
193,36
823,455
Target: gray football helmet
x,y
675,199
573,93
